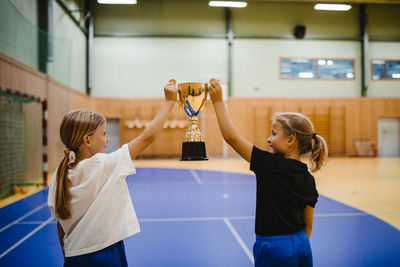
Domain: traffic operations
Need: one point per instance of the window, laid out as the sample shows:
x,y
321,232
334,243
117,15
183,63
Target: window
x,y
385,69
292,68
335,69
298,68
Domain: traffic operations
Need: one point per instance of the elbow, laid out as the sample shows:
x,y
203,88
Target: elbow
x,y
229,140
149,139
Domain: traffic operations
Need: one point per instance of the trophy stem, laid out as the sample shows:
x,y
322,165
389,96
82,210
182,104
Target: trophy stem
x,y
193,134
194,147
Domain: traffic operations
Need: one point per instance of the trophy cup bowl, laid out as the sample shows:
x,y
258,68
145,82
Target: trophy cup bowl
x,y
192,96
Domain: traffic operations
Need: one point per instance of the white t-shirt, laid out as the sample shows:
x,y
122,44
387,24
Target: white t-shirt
x,y
101,208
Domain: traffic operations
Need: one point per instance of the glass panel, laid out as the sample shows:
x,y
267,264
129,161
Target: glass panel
x,y
385,69
21,40
335,69
298,68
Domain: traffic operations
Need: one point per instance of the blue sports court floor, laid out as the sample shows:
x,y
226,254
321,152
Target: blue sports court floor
x,y
199,218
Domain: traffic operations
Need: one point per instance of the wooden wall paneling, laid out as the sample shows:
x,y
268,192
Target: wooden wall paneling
x,y
168,143
307,107
367,120
261,125
341,121
109,107
352,125
213,137
338,120
79,100
338,136
17,76
131,111
58,105
322,123
242,118
387,107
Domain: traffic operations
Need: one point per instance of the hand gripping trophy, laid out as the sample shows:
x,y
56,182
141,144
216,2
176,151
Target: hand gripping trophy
x,y
192,96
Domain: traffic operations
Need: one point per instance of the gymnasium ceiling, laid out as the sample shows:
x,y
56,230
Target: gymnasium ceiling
x,y
333,1
326,1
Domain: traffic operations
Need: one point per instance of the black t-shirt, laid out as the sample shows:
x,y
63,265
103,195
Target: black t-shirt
x,y
284,188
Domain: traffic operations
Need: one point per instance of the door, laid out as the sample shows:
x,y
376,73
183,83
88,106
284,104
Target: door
x,y
389,137
113,133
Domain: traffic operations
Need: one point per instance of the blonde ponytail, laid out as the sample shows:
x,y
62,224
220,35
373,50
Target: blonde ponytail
x,y
319,153
63,195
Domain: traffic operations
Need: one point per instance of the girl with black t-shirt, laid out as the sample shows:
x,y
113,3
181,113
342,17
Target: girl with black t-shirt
x,y
286,191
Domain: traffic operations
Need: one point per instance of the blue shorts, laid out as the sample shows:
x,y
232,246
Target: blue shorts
x,y
283,250
113,255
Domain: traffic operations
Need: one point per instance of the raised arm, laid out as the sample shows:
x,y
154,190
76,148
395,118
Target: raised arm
x,y
137,145
228,130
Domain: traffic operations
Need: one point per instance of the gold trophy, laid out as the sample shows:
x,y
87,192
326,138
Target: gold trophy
x,y
192,96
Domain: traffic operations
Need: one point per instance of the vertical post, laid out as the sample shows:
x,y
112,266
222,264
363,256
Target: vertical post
x,y
229,36
42,34
45,22
364,48
50,31
44,141
89,47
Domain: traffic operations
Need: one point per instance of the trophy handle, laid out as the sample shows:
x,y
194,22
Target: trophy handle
x,y
204,99
179,100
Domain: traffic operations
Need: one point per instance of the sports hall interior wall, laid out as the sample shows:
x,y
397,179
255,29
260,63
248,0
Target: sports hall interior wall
x,y
341,121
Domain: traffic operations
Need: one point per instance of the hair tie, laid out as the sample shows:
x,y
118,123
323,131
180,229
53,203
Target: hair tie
x,y
71,157
314,135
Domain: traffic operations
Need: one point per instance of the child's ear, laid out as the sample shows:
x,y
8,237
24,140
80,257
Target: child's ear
x,y
86,140
292,139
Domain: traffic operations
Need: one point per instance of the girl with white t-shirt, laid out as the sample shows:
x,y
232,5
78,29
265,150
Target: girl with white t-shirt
x,y
88,194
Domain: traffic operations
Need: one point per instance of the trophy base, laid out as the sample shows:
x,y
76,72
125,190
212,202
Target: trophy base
x,y
193,151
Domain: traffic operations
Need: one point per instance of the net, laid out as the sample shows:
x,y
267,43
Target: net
x,y
21,146
26,43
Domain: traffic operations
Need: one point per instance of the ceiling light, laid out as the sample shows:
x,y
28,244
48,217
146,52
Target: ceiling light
x,y
332,7
227,4
117,2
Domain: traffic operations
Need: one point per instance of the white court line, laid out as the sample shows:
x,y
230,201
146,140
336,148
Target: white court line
x,y
165,184
345,214
23,217
35,222
239,240
192,219
191,183
178,219
196,176
26,237
183,219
